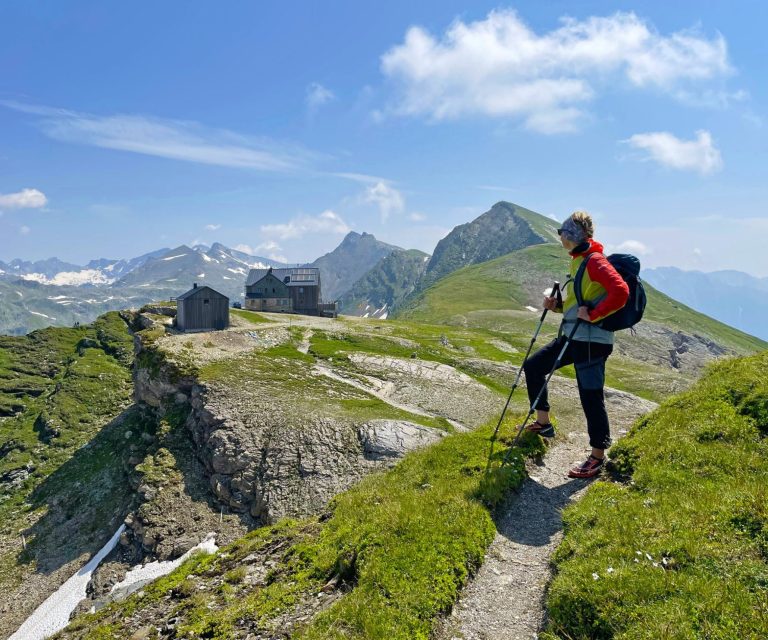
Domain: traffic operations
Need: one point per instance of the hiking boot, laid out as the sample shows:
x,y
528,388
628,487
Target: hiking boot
x,y
545,430
587,469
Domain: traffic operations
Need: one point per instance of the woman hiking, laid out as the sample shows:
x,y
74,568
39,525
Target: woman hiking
x,y
603,292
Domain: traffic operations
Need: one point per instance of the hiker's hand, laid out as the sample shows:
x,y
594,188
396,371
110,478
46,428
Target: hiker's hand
x,y
583,314
550,303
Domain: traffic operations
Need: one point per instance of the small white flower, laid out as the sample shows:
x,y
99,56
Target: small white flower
x,y
655,564
610,569
649,556
595,576
639,553
664,561
636,560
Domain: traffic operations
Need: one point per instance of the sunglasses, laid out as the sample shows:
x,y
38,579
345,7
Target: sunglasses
x,y
560,231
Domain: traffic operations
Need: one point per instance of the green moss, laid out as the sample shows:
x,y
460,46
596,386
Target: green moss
x,y
250,316
697,506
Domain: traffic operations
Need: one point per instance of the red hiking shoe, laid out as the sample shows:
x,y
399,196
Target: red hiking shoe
x,y
544,430
587,469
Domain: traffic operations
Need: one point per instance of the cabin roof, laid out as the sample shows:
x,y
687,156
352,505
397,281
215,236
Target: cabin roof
x,y
297,276
196,290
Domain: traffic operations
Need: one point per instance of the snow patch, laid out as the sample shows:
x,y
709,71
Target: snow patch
x,y
141,575
57,297
71,278
384,315
534,309
174,257
37,313
53,614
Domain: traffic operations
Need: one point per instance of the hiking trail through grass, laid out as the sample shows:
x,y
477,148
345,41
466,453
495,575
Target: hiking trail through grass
x,y
506,597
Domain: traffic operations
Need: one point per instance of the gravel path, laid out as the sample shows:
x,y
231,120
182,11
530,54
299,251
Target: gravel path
x,y
505,601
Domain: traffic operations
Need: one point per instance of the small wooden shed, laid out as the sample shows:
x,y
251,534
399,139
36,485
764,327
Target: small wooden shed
x,y
202,309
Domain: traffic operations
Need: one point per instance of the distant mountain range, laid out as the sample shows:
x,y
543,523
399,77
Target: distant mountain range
x,y
733,297
34,295
369,278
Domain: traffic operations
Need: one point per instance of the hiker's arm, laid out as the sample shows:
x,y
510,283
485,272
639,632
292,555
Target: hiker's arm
x,y
617,291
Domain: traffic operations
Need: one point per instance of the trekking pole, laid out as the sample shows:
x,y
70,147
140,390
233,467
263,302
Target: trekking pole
x,y
541,391
555,293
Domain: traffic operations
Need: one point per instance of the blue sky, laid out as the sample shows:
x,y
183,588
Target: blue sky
x,y
279,127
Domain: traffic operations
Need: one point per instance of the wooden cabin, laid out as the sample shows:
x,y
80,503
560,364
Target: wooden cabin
x,y
289,290
202,309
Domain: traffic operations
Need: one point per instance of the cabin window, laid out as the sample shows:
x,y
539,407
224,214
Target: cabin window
x,y
273,289
301,289
206,301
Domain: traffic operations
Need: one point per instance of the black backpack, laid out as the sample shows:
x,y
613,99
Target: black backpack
x,y
628,267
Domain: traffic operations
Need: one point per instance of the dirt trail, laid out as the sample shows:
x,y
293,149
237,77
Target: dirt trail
x,y
505,601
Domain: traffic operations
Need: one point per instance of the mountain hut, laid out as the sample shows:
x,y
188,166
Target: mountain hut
x,y
288,290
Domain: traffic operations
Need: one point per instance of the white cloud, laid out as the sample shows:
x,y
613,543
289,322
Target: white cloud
x,y
24,199
326,222
245,248
212,227
318,95
500,67
687,155
24,230
174,139
417,217
634,246
269,245
387,198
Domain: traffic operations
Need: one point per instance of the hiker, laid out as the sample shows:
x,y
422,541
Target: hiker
x,y
603,292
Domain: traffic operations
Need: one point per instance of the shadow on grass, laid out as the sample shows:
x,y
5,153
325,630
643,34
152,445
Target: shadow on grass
x,y
88,497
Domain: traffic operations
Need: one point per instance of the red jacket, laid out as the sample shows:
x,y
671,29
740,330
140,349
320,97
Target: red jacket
x,y
600,282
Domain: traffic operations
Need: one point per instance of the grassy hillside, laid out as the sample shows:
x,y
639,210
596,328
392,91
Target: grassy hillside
x,y
678,547
471,295
386,561
64,442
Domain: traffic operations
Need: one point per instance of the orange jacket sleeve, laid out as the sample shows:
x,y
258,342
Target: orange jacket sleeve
x,y
617,291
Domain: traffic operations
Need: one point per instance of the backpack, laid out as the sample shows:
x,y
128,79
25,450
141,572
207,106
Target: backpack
x,y
628,267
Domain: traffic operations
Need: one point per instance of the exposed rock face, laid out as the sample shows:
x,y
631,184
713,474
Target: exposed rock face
x,y
384,439
261,455
433,387
261,462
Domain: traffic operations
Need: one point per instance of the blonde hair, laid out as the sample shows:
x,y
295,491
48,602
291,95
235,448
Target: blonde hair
x,y
584,220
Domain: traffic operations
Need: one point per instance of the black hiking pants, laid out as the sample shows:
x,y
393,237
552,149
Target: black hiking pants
x,y
589,360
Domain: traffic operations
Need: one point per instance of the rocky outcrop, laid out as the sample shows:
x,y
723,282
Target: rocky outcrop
x,y
386,439
262,462
257,455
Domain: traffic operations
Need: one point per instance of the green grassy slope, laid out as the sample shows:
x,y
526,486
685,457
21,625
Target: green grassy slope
x,y
398,546
63,443
680,548
471,295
